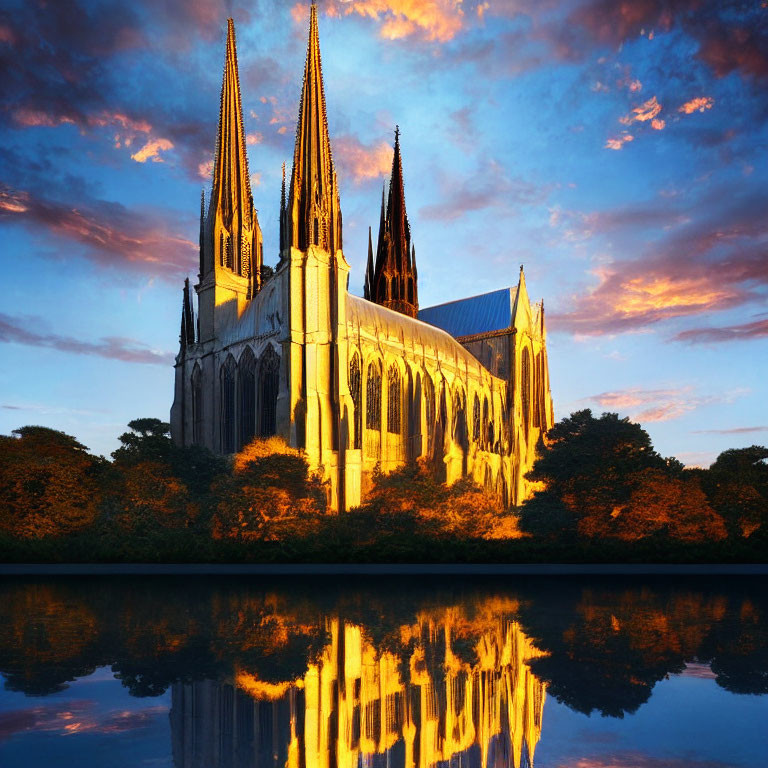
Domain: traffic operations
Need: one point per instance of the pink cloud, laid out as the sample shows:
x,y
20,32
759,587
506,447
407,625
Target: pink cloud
x,y
363,162
151,151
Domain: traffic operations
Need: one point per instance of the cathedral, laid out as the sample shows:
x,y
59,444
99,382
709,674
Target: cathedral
x,y
356,383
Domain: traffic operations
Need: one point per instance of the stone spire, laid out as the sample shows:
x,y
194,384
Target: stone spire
x,y
284,224
187,335
369,269
232,227
394,282
313,202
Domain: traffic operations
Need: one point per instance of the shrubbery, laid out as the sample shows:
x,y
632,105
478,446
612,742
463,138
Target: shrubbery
x,y
608,495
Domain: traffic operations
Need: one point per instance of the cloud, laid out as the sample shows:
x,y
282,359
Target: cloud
x,y
489,187
711,256
648,110
618,143
431,20
363,162
113,235
757,329
731,431
699,104
67,718
654,405
19,330
151,150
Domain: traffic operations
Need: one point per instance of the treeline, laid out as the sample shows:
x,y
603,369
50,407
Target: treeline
x,y
605,495
605,646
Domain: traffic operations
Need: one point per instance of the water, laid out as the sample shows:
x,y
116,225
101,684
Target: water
x,y
384,673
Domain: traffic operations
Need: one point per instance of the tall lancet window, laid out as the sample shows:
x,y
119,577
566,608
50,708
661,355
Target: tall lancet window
x,y
228,375
476,420
197,405
429,412
355,390
525,389
373,397
394,398
269,380
247,370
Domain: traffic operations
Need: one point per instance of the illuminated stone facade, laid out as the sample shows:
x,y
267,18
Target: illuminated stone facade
x,y
357,705
354,382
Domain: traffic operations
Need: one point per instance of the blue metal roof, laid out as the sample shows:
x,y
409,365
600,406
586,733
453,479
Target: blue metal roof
x,y
477,314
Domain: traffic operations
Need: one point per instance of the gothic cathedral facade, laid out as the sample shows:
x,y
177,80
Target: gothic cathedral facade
x,y
356,383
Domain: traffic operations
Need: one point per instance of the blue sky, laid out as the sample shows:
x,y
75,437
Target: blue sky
x,y
615,148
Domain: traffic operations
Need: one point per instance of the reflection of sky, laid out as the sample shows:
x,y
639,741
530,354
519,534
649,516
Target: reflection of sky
x,y
94,722
689,722
516,120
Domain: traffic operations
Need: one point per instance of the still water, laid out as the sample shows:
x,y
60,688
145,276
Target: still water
x,y
384,673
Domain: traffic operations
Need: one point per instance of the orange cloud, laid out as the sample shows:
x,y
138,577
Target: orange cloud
x,y
363,162
151,150
619,142
433,20
700,104
36,117
648,110
658,125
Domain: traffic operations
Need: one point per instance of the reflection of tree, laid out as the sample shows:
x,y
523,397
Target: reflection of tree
x,y
606,646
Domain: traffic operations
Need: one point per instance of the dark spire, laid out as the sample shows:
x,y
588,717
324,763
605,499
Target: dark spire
x,y
187,335
394,282
283,218
313,202
369,269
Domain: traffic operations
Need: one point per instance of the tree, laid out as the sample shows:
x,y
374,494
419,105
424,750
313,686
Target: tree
x,y
48,483
604,479
737,486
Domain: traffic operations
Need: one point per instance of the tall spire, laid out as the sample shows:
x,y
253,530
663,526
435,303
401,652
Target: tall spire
x,y
394,281
283,217
313,204
369,269
232,230
187,335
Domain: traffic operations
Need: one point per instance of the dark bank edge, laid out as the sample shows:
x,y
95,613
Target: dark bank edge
x,y
381,569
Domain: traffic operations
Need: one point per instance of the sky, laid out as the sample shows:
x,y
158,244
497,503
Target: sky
x,y
616,148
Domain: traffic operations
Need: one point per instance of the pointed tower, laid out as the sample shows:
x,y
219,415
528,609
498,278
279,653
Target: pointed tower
x,y
394,280
313,202
231,243
368,269
187,335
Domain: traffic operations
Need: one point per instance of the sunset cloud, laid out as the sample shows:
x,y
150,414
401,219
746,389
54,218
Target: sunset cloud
x,y
699,104
432,20
648,110
16,330
363,162
113,235
656,405
709,257
618,143
151,151
744,332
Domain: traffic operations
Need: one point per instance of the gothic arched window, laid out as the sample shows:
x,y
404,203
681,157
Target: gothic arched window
x,y
228,374
538,397
197,405
460,419
355,391
373,397
269,380
394,398
486,420
247,370
429,411
476,420
525,389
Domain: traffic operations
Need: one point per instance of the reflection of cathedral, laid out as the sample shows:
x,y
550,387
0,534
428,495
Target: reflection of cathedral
x,y
358,707
355,382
